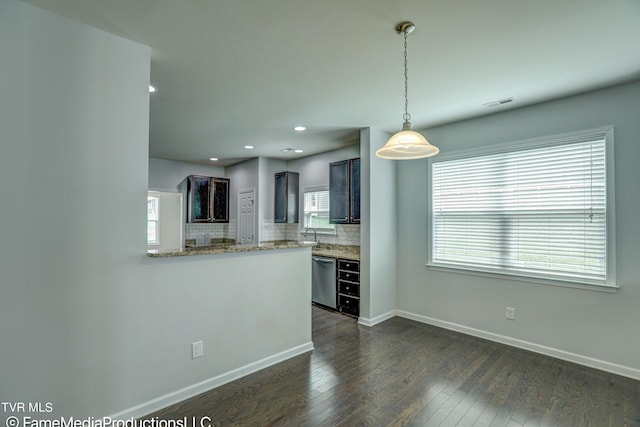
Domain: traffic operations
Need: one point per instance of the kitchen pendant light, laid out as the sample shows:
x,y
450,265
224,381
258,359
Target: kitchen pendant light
x,y
406,144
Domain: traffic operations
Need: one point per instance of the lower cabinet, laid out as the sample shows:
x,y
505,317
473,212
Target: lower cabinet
x,y
348,289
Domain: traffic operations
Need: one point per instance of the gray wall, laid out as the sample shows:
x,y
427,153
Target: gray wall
x,y
89,322
314,170
73,180
378,233
166,175
573,323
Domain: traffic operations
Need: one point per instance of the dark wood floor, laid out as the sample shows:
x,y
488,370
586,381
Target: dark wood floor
x,y
401,372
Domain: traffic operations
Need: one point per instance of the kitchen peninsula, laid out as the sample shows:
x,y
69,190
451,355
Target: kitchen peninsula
x,y
249,306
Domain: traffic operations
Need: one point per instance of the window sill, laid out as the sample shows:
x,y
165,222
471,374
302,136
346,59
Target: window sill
x,y
528,279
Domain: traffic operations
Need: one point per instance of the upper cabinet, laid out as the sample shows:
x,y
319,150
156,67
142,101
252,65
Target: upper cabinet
x,y
220,206
208,199
344,192
286,197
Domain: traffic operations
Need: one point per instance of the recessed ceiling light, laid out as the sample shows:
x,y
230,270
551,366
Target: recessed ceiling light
x,y
298,151
249,147
151,89
213,159
300,128
287,150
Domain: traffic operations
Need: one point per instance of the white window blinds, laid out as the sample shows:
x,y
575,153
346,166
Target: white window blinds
x,y
539,212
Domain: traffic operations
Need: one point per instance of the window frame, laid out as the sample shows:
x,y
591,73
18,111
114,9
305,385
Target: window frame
x,y
606,133
312,189
156,196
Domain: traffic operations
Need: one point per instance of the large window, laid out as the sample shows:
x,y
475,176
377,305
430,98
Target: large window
x,y
537,208
316,209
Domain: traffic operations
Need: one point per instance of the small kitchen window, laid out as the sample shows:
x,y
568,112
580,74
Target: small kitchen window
x,y
316,209
153,218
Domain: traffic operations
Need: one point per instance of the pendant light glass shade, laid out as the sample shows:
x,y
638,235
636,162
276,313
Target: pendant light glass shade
x,y
406,144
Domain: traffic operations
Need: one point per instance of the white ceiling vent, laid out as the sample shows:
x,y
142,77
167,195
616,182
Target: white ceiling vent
x,y
499,102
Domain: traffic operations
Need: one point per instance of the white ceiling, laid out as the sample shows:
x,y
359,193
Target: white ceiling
x,y
231,73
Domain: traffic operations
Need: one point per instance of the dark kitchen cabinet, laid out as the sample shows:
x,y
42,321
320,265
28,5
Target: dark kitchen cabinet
x,y
354,190
207,199
220,206
199,194
344,192
286,197
348,287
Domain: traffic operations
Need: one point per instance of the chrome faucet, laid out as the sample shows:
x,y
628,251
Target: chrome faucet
x,y
315,233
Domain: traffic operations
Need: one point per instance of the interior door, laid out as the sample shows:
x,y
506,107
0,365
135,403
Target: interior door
x,y
246,217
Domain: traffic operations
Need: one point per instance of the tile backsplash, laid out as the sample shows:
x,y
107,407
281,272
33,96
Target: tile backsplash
x,y
203,233
347,234
273,231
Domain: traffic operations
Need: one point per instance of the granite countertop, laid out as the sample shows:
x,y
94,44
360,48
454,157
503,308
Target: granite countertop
x,y
337,251
225,247
222,246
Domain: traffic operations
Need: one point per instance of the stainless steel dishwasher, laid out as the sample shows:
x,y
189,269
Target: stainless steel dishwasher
x,y
323,281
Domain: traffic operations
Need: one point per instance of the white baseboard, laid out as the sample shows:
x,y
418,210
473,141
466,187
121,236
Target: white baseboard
x,y
206,385
378,319
602,365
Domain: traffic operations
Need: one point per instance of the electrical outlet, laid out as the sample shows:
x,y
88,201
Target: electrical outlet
x,y
197,349
510,313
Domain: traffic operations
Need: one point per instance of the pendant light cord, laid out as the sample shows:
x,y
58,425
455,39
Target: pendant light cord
x,y
406,115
